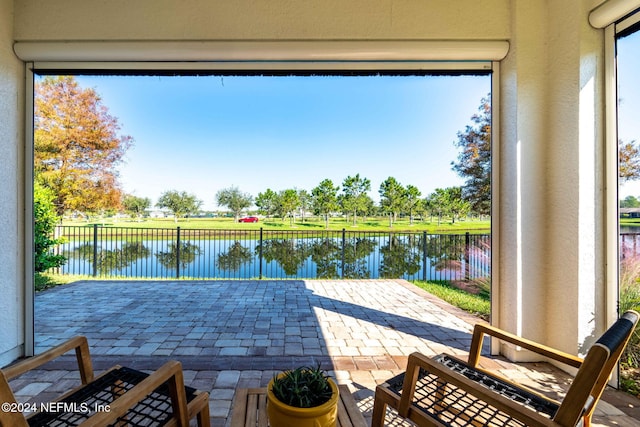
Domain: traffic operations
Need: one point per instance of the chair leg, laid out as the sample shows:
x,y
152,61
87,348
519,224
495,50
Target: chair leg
x,y
379,411
203,417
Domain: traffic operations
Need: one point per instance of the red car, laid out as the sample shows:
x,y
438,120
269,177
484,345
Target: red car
x,y
249,219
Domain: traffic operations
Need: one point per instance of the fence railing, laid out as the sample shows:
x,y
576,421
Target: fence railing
x,y
249,254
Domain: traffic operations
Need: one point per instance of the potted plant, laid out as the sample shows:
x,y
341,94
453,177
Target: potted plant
x,y
302,397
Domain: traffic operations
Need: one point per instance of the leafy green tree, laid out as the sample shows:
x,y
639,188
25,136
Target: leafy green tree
x,y
267,202
412,200
45,219
135,206
325,199
180,203
77,146
235,200
392,198
630,202
448,201
474,161
438,203
354,199
458,207
628,161
305,202
289,203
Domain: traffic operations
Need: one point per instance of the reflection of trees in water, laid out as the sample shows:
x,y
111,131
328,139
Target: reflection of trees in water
x,y
446,251
400,256
290,254
327,254
108,260
187,253
233,259
355,253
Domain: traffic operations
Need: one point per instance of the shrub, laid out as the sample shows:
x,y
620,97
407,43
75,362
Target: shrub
x,y
45,220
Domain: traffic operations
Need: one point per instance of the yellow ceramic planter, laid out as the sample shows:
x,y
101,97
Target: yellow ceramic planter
x,y
282,415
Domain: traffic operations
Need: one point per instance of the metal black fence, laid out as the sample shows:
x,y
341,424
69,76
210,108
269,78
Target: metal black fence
x,y
124,252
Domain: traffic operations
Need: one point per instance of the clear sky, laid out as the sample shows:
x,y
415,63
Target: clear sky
x,y
202,134
629,99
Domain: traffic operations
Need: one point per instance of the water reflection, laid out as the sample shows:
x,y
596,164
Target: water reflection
x,y
110,260
326,256
186,252
235,257
445,252
288,253
400,257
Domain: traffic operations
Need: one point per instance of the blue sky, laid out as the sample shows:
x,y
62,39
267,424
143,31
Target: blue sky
x,y
628,49
202,134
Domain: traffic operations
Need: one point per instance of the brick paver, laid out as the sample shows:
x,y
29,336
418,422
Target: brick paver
x,y
231,334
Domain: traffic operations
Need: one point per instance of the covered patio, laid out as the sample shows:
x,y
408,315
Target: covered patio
x,y
237,334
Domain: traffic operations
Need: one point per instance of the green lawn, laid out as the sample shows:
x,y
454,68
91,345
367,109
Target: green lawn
x,y
369,224
477,304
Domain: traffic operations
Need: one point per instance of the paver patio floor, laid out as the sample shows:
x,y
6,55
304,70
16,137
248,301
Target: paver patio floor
x,y
231,334
209,319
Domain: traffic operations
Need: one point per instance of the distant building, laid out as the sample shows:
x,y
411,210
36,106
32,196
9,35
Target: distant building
x,y
629,212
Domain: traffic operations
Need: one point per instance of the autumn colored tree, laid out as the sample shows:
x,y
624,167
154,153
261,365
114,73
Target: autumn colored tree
x,y
77,146
474,161
628,161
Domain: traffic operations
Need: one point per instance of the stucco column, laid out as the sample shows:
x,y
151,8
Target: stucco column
x,y
551,257
522,180
575,277
11,192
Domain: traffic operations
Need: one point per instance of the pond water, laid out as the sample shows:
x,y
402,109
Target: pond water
x,y
409,256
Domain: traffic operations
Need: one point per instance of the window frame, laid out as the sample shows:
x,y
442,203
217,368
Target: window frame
x,y
342,66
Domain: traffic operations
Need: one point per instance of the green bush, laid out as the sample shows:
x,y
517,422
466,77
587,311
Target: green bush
x,y
45,220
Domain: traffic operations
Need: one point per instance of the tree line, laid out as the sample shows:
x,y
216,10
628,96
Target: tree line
x,y
78,147
351,199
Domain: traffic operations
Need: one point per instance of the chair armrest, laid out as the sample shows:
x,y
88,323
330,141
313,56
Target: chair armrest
x,y
170,372
417,361
479,331
79,343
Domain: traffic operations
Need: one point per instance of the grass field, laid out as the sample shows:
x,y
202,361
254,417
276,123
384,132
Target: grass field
x,y
369,224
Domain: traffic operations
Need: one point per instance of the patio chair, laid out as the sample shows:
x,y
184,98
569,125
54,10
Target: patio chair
x,y
121,396
445,391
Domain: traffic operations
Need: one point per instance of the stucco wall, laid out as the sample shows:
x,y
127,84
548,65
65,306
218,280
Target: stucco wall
x,y
259,19
550,260
11,225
